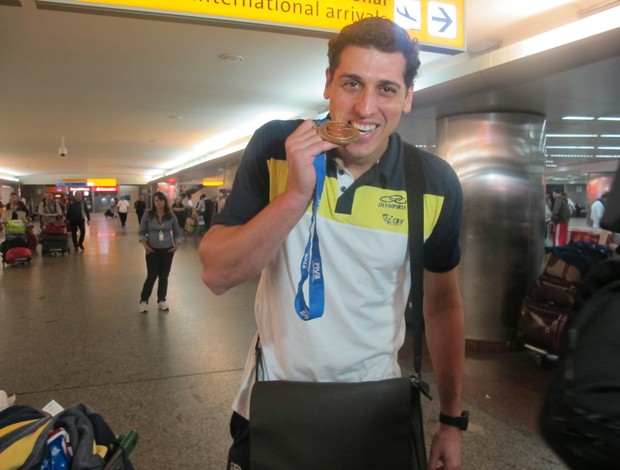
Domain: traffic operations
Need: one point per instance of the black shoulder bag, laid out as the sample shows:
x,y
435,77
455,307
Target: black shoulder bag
x,y
350,426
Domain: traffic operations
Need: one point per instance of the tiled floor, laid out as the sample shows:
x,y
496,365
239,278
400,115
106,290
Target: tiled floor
x,y
70,331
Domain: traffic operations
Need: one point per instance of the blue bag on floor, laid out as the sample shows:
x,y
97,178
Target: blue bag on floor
x,y
87,438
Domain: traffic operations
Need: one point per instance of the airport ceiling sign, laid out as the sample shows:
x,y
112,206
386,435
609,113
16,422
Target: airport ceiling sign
x,y
438,25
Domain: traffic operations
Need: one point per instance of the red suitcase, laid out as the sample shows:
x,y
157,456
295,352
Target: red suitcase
x,y
17,255
53,228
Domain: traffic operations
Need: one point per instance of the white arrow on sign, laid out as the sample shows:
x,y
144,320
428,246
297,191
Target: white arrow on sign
x,y
442,20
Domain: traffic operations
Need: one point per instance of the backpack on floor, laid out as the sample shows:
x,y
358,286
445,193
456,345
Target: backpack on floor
x,y
580,419
76,438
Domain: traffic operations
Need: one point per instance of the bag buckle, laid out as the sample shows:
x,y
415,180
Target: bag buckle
x,y
421,385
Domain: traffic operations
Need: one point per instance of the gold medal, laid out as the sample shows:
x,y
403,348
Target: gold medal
x,y
338,132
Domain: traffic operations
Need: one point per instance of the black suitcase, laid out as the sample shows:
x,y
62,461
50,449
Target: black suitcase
x,y
54,244
542,325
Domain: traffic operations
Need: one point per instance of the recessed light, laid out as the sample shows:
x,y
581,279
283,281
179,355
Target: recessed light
x,y
571,135
176,117
578,118
588,147
231,57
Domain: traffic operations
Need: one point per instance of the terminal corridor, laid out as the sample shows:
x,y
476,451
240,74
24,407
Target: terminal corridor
x,y
70,331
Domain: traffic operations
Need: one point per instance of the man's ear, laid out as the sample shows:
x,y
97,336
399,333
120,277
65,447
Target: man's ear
x,y
328,82
408,100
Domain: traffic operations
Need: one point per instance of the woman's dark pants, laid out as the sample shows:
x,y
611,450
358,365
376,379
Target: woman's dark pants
x,y
158,265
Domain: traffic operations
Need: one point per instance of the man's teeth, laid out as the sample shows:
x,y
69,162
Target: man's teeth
x,y
364,127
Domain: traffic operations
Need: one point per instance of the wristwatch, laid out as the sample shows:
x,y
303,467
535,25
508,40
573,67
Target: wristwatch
x,y
460,422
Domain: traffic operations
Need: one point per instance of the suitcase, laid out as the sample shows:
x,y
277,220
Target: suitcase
x,y
542,325
55,229
556,291
54,244
17,255
16,227
559,268
13,241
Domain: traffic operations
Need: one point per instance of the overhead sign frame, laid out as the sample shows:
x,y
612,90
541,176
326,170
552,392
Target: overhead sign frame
x,y
438,25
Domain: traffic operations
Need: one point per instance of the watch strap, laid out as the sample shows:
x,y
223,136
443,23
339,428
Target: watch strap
x,y
460,422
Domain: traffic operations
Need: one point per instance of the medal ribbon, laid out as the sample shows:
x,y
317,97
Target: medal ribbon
x,y
311,265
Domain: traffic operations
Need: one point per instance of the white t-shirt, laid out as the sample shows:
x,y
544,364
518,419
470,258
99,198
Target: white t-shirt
x,y
123,206
596,213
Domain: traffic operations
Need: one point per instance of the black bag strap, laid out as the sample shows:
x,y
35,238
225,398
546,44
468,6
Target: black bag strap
x,y
414,183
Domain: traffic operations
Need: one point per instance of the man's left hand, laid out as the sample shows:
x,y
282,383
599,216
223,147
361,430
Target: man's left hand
x,y
445,452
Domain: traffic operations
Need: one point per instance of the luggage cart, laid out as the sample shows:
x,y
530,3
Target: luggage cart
x,y
15,251
54,239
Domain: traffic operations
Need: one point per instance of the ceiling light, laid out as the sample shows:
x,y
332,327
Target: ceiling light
x,y
611,135
231,57
609,148
583,147
8,178
571,135
578,118
565,155
62,151
609,118
608,156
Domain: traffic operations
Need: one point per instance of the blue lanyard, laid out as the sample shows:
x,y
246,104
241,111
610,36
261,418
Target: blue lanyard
x,y
311,265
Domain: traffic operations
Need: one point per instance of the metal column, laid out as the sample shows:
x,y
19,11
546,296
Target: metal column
x,y
500,161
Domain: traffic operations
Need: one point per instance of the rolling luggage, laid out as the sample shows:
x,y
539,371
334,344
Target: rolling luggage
x,y
17,255
54,239
15,250
53,228
544,313
54,244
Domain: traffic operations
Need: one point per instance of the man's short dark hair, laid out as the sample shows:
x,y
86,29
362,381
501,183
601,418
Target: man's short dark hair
x,y
605,195
376,33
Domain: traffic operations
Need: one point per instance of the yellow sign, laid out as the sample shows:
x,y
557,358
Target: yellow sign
x,y
213,181
101,181
439,25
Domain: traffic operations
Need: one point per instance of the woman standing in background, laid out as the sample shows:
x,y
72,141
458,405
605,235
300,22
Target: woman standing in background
x,y
160,235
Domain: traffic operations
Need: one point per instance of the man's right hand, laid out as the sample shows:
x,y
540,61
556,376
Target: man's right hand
x,y
302,147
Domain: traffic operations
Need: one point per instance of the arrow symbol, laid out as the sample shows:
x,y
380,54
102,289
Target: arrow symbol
x,y
446,20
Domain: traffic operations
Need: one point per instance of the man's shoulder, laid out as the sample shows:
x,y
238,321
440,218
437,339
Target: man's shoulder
x,y
280,127
274,133
438,173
